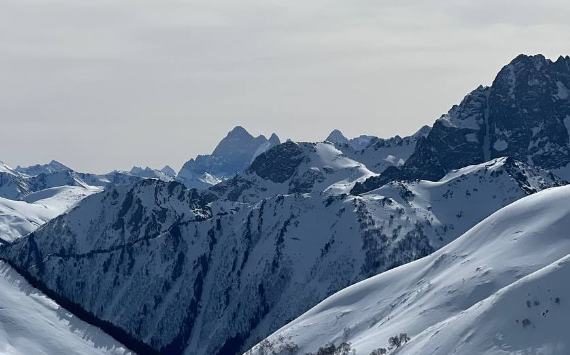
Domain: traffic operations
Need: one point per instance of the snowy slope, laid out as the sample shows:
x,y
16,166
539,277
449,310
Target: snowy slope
x,y
189,273
18,218
465,196
31,323
12,184
377,153
498,289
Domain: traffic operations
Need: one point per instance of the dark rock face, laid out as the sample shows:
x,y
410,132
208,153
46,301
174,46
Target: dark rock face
x,y
529,109
278,164
525,114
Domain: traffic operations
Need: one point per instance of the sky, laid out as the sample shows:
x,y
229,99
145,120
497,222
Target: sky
x,y
102,85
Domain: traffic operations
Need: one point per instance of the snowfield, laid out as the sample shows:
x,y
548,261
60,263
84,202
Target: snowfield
x,y
32,324
18,218
501,288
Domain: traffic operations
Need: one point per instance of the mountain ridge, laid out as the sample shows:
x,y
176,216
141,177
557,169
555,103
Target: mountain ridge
x,y
243,260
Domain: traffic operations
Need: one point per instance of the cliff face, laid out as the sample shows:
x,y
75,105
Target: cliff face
x,y
524,114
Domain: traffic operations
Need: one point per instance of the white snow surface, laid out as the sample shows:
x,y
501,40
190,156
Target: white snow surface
x,y
18,218
33,324
6,169
377,153
473,296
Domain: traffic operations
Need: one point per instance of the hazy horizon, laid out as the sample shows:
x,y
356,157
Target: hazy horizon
x,y
109,85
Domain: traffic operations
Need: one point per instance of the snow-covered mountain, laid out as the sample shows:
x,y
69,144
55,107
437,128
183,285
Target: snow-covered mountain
x,y
212,271
31,196
31,323
18,218
524,114
377,153
17,183
51,167
189,272
291,168
358,143
233,154
499,289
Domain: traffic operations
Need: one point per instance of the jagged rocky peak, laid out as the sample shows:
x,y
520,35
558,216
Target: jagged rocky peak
x,y
422,132
529,112
274,139
357,143
470,113
233,154
239,142
150,173
236,138
524,114
168,171
337,137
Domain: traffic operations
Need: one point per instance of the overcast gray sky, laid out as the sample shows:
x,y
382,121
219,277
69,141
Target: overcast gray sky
x,y
102,85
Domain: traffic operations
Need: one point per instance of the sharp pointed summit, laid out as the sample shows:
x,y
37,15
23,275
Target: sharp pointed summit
x,y
337,137
525,114
233,154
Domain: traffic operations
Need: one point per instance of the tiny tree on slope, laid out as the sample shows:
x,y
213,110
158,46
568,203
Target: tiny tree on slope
x,y
398,340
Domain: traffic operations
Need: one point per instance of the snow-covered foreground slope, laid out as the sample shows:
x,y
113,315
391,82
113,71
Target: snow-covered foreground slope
x,y
31,323
501,288
189,273
18,218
